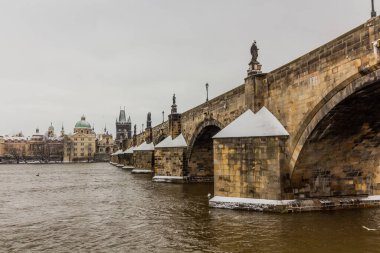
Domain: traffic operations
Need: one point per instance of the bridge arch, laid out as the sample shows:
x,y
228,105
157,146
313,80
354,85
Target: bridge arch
x,y
200,161
336,139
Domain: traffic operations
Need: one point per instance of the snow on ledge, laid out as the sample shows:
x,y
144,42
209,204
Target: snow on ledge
x,y
129,151
141,171
249,124
168,142
234,200
145,147
167,179
165,143
372,198
119,152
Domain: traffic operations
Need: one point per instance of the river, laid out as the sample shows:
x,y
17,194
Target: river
x,y
101,208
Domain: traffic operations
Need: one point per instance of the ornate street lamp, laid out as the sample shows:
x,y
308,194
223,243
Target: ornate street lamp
x,y
373,12
206,92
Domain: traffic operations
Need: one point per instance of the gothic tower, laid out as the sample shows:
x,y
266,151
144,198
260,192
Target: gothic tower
x,y
123,127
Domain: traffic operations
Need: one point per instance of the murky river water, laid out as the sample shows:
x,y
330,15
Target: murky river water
x,y
100,208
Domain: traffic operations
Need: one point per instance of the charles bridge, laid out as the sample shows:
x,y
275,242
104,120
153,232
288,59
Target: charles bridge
x,y
314,132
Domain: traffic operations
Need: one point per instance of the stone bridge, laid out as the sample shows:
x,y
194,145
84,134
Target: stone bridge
x,y
328,101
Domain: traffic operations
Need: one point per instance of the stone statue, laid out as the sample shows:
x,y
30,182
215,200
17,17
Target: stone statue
x,y
135,129
254,53
149,120
174,99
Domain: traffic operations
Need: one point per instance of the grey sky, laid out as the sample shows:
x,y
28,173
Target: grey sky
x,y
62,59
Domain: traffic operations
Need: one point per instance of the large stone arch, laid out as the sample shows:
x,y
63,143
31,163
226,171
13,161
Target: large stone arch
x,y
338,152
334,97
200,153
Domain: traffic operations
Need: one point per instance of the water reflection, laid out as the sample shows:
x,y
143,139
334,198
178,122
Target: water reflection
x,y
103,208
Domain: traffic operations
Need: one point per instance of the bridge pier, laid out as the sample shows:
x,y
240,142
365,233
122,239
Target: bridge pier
x,y
170,162
143,155
249,159
128,161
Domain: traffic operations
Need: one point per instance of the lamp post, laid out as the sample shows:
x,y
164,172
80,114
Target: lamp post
x,y
206,92
373,12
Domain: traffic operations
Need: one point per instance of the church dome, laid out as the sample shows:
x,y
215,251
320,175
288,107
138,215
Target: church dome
x,y
82,123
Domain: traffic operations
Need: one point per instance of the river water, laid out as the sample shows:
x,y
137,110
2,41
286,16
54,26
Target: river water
x,y
101,208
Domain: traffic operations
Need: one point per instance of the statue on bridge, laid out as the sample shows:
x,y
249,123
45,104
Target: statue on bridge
x,y
149,120
254,53
174,98
135,130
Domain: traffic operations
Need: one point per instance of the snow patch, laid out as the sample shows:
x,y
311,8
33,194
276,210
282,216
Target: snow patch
x,y
372,198
165,143
129,150
141,171
119,152
179,142
145,147
167,179
249,124
168,142
250,201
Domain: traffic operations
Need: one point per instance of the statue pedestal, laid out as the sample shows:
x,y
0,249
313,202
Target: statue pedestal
x,y
254,69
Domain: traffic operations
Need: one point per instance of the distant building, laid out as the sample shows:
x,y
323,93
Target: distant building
x,y
80,146
16,147
37,145
123,128
104,146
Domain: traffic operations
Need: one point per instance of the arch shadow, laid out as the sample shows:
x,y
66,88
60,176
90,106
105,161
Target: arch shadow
x,y
200,149
329,102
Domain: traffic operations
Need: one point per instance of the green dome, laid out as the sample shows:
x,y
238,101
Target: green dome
x,y
82,123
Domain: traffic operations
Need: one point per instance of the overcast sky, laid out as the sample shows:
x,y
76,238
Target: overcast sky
x,y
62,59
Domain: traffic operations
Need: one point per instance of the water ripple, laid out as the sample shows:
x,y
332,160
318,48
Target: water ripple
x,y
97,207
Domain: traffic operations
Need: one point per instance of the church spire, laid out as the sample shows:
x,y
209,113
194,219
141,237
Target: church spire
x,y
122,118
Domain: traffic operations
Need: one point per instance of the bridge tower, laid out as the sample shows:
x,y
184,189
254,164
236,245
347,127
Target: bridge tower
x,y
123,128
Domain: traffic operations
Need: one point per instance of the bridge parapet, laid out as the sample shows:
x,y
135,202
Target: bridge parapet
x,y
223,109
